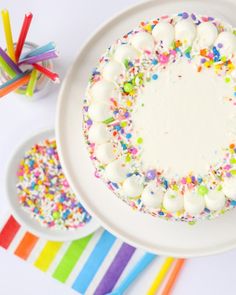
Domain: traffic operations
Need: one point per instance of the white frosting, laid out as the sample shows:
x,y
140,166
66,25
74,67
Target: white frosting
x,y
99,111
193,203
233,74
112,70
206,34
228,40
172,201
229,188
132,186
164,34
103,90
143,41
152,196
124,52
105,153
98,133
169,121
116,171
185,31
215,200
232,125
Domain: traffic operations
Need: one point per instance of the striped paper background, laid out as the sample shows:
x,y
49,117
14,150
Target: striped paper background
x,y
95,264
86,264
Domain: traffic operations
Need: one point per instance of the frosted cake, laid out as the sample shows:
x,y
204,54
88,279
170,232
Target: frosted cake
x,y
159,117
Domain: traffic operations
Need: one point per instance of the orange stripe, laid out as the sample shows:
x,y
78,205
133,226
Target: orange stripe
x,y
26,245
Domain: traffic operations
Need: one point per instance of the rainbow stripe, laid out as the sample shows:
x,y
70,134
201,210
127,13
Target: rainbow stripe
x,y
47,255
94,262
8,232
97,264
87,254
70,259
115,270
26,245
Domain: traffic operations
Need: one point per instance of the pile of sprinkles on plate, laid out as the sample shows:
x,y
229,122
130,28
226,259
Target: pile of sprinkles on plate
x,y
44,192
114,145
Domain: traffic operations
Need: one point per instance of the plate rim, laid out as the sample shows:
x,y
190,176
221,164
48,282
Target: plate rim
x,y
45,232
106,225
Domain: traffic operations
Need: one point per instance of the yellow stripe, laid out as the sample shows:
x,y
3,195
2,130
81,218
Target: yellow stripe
x,y
47,255
160,276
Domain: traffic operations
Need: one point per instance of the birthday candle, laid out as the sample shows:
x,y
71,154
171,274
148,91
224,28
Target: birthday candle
x,y
8,34
173,277
14,83
10,62
6,68
32,83
12,58
23,34
39,50
53,76
40,57
160,276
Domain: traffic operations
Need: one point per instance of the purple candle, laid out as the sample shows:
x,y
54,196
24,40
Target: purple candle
x,y
39,57
10,62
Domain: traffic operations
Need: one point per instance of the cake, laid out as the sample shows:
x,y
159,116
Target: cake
x,y
159,117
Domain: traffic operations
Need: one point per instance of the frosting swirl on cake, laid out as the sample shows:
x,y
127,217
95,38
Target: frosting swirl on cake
x,y
116,93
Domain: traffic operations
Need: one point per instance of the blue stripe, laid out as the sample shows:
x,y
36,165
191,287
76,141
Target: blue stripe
x,y
138,268
94,262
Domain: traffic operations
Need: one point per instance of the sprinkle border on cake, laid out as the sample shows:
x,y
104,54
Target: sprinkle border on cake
x,y
114,146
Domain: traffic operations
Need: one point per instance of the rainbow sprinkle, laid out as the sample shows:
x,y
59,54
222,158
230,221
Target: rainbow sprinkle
x,y
44,192
139,72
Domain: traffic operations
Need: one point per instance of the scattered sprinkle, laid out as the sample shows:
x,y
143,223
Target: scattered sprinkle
x,y
44,192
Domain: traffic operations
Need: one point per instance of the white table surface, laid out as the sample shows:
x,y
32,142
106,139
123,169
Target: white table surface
x,y
68,23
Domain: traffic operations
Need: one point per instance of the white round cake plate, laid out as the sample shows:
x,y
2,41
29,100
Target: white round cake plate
x,y
141,230
22,216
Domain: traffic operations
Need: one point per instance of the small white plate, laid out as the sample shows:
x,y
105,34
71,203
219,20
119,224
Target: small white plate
x,y
22,216
141,230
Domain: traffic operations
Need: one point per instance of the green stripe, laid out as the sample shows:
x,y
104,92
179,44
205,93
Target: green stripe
x,y
70,259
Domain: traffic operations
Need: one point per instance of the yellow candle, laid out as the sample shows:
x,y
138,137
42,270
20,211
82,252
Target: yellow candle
x,y
160,276
8,34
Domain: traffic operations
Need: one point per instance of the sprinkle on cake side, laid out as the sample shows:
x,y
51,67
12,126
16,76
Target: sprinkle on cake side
x,y
113,97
